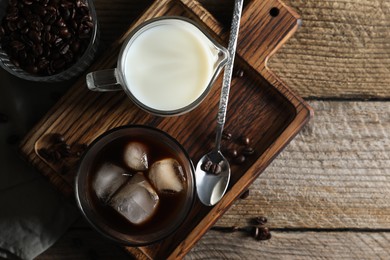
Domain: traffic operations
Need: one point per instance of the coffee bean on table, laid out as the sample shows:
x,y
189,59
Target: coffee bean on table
x,y
261,233
260,220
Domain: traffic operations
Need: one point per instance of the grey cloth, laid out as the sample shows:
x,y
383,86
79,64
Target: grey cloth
x,y
33,215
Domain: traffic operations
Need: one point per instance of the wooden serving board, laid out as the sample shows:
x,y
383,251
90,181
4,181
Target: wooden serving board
x,y
260,107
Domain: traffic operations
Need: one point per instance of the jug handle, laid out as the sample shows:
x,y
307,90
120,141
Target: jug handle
x,y
103,80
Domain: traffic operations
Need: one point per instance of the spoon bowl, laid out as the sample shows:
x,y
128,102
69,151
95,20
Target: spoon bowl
x,y
212,185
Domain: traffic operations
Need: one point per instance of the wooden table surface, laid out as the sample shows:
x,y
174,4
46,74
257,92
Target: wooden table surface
x,y
327,195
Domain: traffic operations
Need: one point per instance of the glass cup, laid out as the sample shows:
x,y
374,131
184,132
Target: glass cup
x,y
78,66
172,212
166,66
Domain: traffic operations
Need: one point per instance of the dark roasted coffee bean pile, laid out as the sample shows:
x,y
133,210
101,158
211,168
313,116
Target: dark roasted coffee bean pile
x,y
237,149
58,149
45,37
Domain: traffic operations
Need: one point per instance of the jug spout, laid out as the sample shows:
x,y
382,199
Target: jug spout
x,y
221,57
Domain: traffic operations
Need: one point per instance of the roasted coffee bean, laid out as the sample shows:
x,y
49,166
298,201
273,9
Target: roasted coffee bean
x,y
60,22
17,45
64,33
34,36
2,31
27,41
57,138
32,69
68,57
27,2
47,27
248,151
58,42
25,30
3,118
65,13
22,55
45,154
15,62
30,60
37,26
43,64
230,152
49,18
239,159
21,23
245,140
58,64
37,49
11,26
44,2
64,149
245,194
56,155
12,14
64,48
39,9
261,233
260,220
46,50
215,168
239,73
79,149
207,166
13,2
226,135
26,11
75,46
46,36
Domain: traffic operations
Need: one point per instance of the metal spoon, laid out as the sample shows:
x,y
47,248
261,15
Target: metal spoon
x,y
212,173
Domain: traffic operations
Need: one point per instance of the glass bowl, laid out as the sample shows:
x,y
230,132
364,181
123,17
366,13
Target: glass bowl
x,y
74,70
168,217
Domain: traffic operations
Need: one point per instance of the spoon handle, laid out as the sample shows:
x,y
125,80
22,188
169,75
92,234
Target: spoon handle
x,y
227,76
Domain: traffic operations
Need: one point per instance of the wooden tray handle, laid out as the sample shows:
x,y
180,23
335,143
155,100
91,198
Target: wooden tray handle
x,y
265,27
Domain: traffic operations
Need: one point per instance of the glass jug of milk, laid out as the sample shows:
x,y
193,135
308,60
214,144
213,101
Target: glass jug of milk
x,y
166,66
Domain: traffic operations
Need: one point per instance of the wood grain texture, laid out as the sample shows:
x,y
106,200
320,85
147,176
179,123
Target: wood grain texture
x,y
341,51
294,245
80,244
334,174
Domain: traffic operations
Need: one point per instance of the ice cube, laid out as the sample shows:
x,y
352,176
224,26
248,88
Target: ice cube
x,y
136,200
136,156
167,175
108,180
